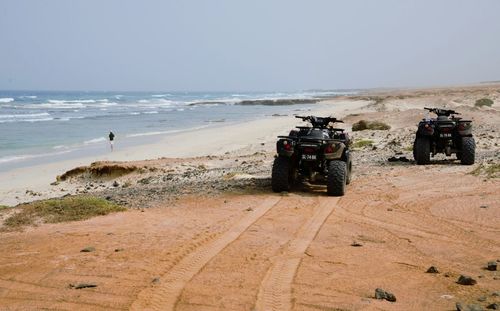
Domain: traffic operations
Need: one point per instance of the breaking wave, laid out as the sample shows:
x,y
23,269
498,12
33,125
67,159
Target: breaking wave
x,y
6,100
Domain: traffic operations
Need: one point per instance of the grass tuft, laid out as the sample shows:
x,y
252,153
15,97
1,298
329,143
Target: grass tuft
x,y
490,170
370,125
363,143
483,102
61,210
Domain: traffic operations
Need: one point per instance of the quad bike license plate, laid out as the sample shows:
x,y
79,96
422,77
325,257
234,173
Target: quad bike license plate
x,y
445,135
308,157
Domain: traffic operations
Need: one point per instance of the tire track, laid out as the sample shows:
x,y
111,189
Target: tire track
x,y
10,288
447,232
165,295
275,292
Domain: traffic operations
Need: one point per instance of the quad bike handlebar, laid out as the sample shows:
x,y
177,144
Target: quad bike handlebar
x,y
442,112
321,122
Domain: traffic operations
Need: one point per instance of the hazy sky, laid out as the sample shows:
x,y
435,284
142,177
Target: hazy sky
x,y
239,45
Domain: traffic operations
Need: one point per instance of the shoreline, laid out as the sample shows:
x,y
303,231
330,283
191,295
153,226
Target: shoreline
x,y
37,177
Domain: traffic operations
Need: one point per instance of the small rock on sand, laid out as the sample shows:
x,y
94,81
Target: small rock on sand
x,y
432,269
492,266
356,244
88,249
466,280
382,294
471,307
493,306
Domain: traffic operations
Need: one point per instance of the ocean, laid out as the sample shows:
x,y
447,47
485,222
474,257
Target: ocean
x,y
36,125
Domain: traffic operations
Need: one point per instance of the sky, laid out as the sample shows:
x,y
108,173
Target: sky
x,y
238,45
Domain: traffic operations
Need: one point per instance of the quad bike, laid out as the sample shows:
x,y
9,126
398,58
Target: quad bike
x,y
317,153
446,134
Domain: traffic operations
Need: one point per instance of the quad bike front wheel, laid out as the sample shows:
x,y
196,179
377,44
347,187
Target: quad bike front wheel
x,y
282,176
422,150
337,178
468,153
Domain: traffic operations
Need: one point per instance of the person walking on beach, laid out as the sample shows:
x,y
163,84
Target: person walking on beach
x,y
111,139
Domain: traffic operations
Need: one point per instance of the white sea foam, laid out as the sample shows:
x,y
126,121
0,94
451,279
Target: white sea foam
x,y
37,120
152,133
22,157
151,112
30,117
167,132
56,106
6,100
27,115
72,104
58,101
161,95
69,118
95,140
16,158
105,104
153,103
28,96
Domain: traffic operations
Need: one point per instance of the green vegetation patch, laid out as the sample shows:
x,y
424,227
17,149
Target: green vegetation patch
x,y
61,210
408,148
370,125
483,102
363,143
489,170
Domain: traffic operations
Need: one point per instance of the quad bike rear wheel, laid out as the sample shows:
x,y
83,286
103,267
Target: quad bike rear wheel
x,y
468,153
337,178
422,150
282,176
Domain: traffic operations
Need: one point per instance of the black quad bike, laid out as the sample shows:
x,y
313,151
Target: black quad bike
x,y
446,134
317,153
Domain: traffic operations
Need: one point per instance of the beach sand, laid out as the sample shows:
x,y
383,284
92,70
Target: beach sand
x,y
212,141
204,232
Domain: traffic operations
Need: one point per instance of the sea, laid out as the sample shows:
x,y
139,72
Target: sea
x,y
48,125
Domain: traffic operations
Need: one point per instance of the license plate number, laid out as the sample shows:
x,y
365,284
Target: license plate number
x,y
445,135
308,157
